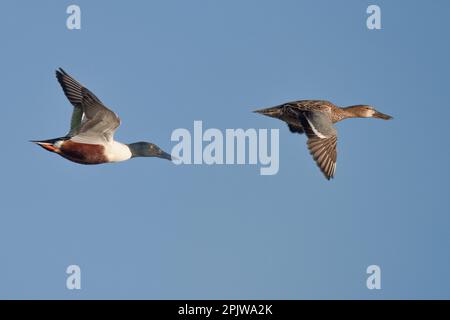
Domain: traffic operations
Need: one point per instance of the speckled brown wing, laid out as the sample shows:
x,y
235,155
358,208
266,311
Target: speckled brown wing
x,y
324,153
322,140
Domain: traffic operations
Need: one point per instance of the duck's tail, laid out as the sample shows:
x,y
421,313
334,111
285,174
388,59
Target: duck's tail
x,y
274,112
50,144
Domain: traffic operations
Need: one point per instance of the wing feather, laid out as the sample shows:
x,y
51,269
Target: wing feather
x,y
322,140
91,119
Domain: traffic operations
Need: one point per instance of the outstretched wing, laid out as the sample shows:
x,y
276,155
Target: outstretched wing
x,y
91,119
100,123
322,140
72,90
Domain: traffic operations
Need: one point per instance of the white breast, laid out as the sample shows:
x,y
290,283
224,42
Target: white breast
x,y
116,152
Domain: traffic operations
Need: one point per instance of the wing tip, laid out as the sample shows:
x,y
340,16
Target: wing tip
x,y
60,73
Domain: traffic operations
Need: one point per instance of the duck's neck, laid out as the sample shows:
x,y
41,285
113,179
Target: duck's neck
x,y
138,149
341,114
348,112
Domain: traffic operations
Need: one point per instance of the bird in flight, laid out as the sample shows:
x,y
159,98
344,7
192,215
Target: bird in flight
x,y
315,118
90,139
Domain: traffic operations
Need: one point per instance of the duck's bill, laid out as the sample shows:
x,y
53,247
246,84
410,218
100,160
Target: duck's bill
x,y
165,155
380,115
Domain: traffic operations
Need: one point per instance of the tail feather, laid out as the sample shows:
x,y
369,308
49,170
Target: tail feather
x,y
50,141
49,144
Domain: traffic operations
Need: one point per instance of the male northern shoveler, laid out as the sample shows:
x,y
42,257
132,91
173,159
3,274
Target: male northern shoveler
x,y
316,119
91,136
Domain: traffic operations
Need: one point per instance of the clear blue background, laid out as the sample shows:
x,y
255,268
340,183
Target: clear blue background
x,y
148,229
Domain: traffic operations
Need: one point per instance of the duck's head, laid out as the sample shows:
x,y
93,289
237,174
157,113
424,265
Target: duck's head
x,y
147,149
364,111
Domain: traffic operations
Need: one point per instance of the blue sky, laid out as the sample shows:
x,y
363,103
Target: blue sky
x,y
147,229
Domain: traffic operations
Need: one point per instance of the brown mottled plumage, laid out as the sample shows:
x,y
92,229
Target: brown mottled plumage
x,y
316,119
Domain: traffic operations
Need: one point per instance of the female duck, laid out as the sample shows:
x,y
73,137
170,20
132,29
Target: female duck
x,y
316,119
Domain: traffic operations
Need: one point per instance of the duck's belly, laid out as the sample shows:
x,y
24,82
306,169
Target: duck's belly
x,y
294,124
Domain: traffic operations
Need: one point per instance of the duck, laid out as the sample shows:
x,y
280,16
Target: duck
x,y
316,119
90,139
